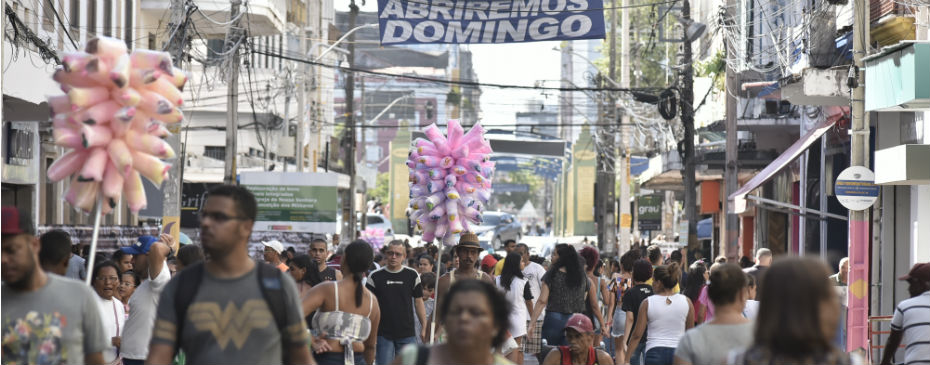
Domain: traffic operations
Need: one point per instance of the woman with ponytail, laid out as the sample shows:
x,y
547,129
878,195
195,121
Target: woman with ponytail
x,y
665,314
346,324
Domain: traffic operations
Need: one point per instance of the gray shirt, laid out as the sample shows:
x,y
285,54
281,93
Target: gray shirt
x,y
56,324
76,269
229,322
709,344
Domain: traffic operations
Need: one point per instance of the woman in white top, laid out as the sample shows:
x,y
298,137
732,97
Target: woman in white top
x,y
517,290
106,280
667,316
729,330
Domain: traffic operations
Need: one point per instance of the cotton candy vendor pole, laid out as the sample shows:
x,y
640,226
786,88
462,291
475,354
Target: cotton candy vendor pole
x,y
93,239
450,180
111,119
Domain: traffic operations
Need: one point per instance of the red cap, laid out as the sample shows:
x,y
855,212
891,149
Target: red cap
x,y
15,223
580,322
488,261
920,271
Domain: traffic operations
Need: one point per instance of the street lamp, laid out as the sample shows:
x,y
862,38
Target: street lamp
x,y
341,39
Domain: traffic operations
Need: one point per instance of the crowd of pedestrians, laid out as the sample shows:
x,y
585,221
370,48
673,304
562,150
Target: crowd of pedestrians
x,y
166,301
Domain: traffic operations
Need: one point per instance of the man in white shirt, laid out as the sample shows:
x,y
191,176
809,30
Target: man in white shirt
x,y
911,320
149,261
534,273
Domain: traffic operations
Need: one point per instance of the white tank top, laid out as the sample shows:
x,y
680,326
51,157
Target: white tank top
x,y
666,321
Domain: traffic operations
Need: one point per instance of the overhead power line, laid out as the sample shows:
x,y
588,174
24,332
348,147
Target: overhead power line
x,y
450,82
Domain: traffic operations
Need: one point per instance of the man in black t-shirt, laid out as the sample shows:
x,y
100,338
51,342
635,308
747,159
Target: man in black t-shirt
x,y
397,288
319,251
632,299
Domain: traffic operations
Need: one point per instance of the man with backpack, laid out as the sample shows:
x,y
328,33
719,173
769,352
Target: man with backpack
x,y
230,309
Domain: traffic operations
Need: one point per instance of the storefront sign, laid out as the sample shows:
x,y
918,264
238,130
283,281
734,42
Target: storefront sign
x,y
489,21
856,189
649,212
299,202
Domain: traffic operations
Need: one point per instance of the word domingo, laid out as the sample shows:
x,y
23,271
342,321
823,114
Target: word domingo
x,y
496,21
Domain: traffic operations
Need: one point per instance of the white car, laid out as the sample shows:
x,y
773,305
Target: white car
x,y
379,221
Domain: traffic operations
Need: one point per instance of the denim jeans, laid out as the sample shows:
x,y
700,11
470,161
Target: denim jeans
x,y
387,349
553,327
659,356
637,357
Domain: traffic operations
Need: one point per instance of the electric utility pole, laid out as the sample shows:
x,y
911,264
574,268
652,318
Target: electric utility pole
x,y
687,120
171,208
858,301
606,174
624,199
349,137
233,40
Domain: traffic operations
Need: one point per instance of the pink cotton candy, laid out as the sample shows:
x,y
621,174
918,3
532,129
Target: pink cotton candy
x,y
95,135
99,113
455,133
94,166
437,213
112,183
150,167
442,228
67,137
66,165
134,192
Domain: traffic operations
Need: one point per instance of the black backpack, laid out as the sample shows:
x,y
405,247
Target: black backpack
x,y
269,282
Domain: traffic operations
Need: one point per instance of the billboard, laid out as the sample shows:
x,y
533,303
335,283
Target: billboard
x,y
489,21
294,201
649,212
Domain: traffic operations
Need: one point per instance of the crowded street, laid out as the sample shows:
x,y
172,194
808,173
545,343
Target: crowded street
x,y
412,182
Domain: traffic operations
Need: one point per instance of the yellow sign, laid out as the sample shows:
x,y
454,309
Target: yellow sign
x,y
626,220
586,176
172,225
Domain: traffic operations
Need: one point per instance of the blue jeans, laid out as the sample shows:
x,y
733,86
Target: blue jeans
x,y
660,356
553,328
637,357
387,349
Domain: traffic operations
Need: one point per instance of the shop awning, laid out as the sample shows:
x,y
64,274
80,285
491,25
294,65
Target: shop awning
x,y
790,154
705,229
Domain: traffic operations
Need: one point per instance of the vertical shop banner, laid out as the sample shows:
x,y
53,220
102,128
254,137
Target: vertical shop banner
x,y
489,21
649,213
294,201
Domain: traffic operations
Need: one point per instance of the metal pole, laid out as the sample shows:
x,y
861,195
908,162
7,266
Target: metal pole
x,y
171,189
624,198
732,166
606,174
350,125
93,239
687,120
233,38
858,300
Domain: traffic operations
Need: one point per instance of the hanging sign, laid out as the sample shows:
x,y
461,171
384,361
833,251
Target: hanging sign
x,y
489,21
855,188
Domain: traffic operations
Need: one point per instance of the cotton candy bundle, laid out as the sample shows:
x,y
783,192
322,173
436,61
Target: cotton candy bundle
x,y
112,117
374,237
450,180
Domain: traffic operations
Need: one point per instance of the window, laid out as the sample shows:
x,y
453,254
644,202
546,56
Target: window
x,y
128,10
373,219
91,19
217,152
75,18
108,18
48,16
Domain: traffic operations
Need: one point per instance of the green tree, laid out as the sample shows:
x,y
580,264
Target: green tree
x,y
527,177
382,189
